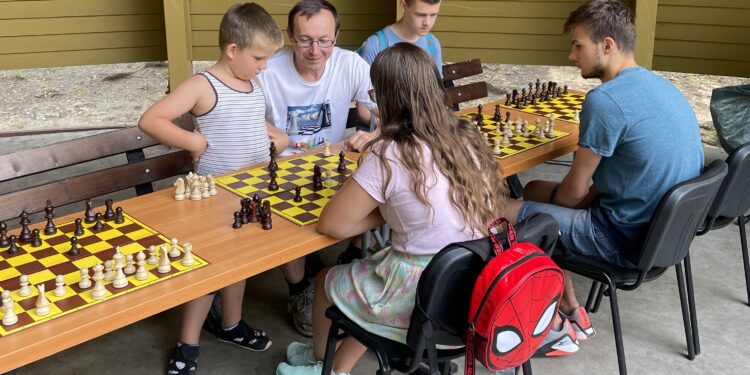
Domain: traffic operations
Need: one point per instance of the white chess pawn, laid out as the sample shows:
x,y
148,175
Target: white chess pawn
x,y
212,186
120,280
577,115
109,272
42,303
10,318
24,291
99,292
327,149
187,259
164,265
179,193
59,286
188,186
204,189
486,137
506,140
129,265
195,190
4,297
175,252
117,258
152,259
496,149
141,273
85,282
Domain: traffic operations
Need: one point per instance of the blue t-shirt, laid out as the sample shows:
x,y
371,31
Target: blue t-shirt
x,y
649,140
372,46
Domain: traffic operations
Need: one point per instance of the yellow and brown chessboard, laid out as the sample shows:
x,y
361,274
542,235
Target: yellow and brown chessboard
x,y
292,173
518,142
43,263
562,107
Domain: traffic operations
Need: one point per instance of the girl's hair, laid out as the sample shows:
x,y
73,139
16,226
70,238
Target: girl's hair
x,y
414,113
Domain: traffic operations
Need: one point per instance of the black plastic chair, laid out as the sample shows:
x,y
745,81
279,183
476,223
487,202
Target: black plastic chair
x,y
440,315
733,202
676,220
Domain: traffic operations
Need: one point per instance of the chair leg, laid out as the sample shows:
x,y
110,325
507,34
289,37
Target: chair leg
x,y
526,367
685,311
602,289
745,260
330,349
594,291
691,305
619,345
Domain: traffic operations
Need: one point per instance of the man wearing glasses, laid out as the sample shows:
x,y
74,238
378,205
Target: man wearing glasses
x,y
311,86
309,89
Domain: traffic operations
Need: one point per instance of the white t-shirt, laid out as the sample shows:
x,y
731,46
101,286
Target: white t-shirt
x,y
313,111
416,228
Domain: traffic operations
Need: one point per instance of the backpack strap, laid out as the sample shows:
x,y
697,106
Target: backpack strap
x,y
431,45
430,347
382,38
497,247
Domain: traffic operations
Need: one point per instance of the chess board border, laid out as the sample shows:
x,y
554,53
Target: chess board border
x,y
534,111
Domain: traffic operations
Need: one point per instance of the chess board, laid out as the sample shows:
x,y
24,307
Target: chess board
x,y
518,142
292,173
43,263
563,107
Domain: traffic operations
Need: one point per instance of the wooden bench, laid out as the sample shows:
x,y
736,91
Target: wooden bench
x,y
469,91
101,169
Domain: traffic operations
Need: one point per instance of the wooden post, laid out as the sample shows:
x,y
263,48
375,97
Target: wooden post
x,y
179,44
645,29
399,12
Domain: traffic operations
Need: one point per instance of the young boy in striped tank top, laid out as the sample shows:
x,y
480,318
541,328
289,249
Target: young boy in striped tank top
x,y
227,106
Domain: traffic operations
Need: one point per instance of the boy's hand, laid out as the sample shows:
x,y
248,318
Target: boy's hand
x,y
201,146
357,141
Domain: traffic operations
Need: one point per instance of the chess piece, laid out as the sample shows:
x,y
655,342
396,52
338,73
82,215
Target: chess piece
x,y
507,117
78,231
25,236
59,286
109,271
496,150
577,115
129,265
272,185
188,185
187,259
4,297
342,163
164,265
98,222
237,224
179,193
195,190
42,303
175,251
267,222
298,194
317,178
272,150
565,89
496,117
24,290
50,228
4,242
49,209
85,281
256,198
109,213
506,140
152,259
141,273
10,318
12,247
212,186
73,246
204,188
327,149
36,241
119,216
99,292
120,280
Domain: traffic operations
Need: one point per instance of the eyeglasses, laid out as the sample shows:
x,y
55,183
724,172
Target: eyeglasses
x,y
307,43
371,93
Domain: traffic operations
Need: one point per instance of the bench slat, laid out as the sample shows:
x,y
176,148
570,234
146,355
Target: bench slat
x,y
471,91
462,69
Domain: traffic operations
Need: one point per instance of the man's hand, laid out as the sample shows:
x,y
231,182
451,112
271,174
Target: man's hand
x,y
357,141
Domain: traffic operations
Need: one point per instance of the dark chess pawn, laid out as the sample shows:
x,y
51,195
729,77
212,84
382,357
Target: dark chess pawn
x,y
256,198
4,242
237,221
515,95
480,116
79,228
109,213
36,241
243,215
25,236
536,84
89,216
50,228
565,89
73,246
533,99
253,212
98,222
507,99
13,247
507,117
317,178
49,209
267,207
266,224
298,194
119,217
273,185
342,163
497,117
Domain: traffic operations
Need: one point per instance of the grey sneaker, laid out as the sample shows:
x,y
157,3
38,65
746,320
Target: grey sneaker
x,y
300,306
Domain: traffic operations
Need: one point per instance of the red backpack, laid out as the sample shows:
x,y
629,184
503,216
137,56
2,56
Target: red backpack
x,y
513,304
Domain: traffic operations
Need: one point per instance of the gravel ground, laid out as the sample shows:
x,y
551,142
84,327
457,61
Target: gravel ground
x,y
116,95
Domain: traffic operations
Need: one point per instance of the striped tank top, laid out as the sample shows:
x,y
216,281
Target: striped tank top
x,y
235,129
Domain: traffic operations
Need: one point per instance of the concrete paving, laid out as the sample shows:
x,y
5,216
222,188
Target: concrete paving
x,y
651,321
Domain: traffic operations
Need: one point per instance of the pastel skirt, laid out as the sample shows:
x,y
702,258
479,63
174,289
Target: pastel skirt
x,y
378,292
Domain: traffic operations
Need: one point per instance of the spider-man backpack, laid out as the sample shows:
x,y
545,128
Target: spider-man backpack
x,y
513,303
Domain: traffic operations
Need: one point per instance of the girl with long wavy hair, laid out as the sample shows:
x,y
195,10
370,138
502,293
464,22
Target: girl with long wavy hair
x,y
430,176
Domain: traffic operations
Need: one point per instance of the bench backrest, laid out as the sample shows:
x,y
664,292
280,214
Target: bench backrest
x,y
106,177
469,91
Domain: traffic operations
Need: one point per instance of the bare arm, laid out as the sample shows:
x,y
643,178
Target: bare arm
x,y
350,212
574,188
279,138
157,120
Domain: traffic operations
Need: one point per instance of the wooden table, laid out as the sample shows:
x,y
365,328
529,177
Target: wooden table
x,y
233,254
526,159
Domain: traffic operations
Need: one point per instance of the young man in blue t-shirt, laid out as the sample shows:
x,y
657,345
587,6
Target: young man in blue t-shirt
x,y
413,27
638,138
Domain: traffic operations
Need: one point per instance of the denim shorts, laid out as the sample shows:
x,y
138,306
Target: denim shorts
x,y
578,233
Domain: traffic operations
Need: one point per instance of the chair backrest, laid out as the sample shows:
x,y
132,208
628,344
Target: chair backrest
x,y
444,289
677,218
733,198
469,91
